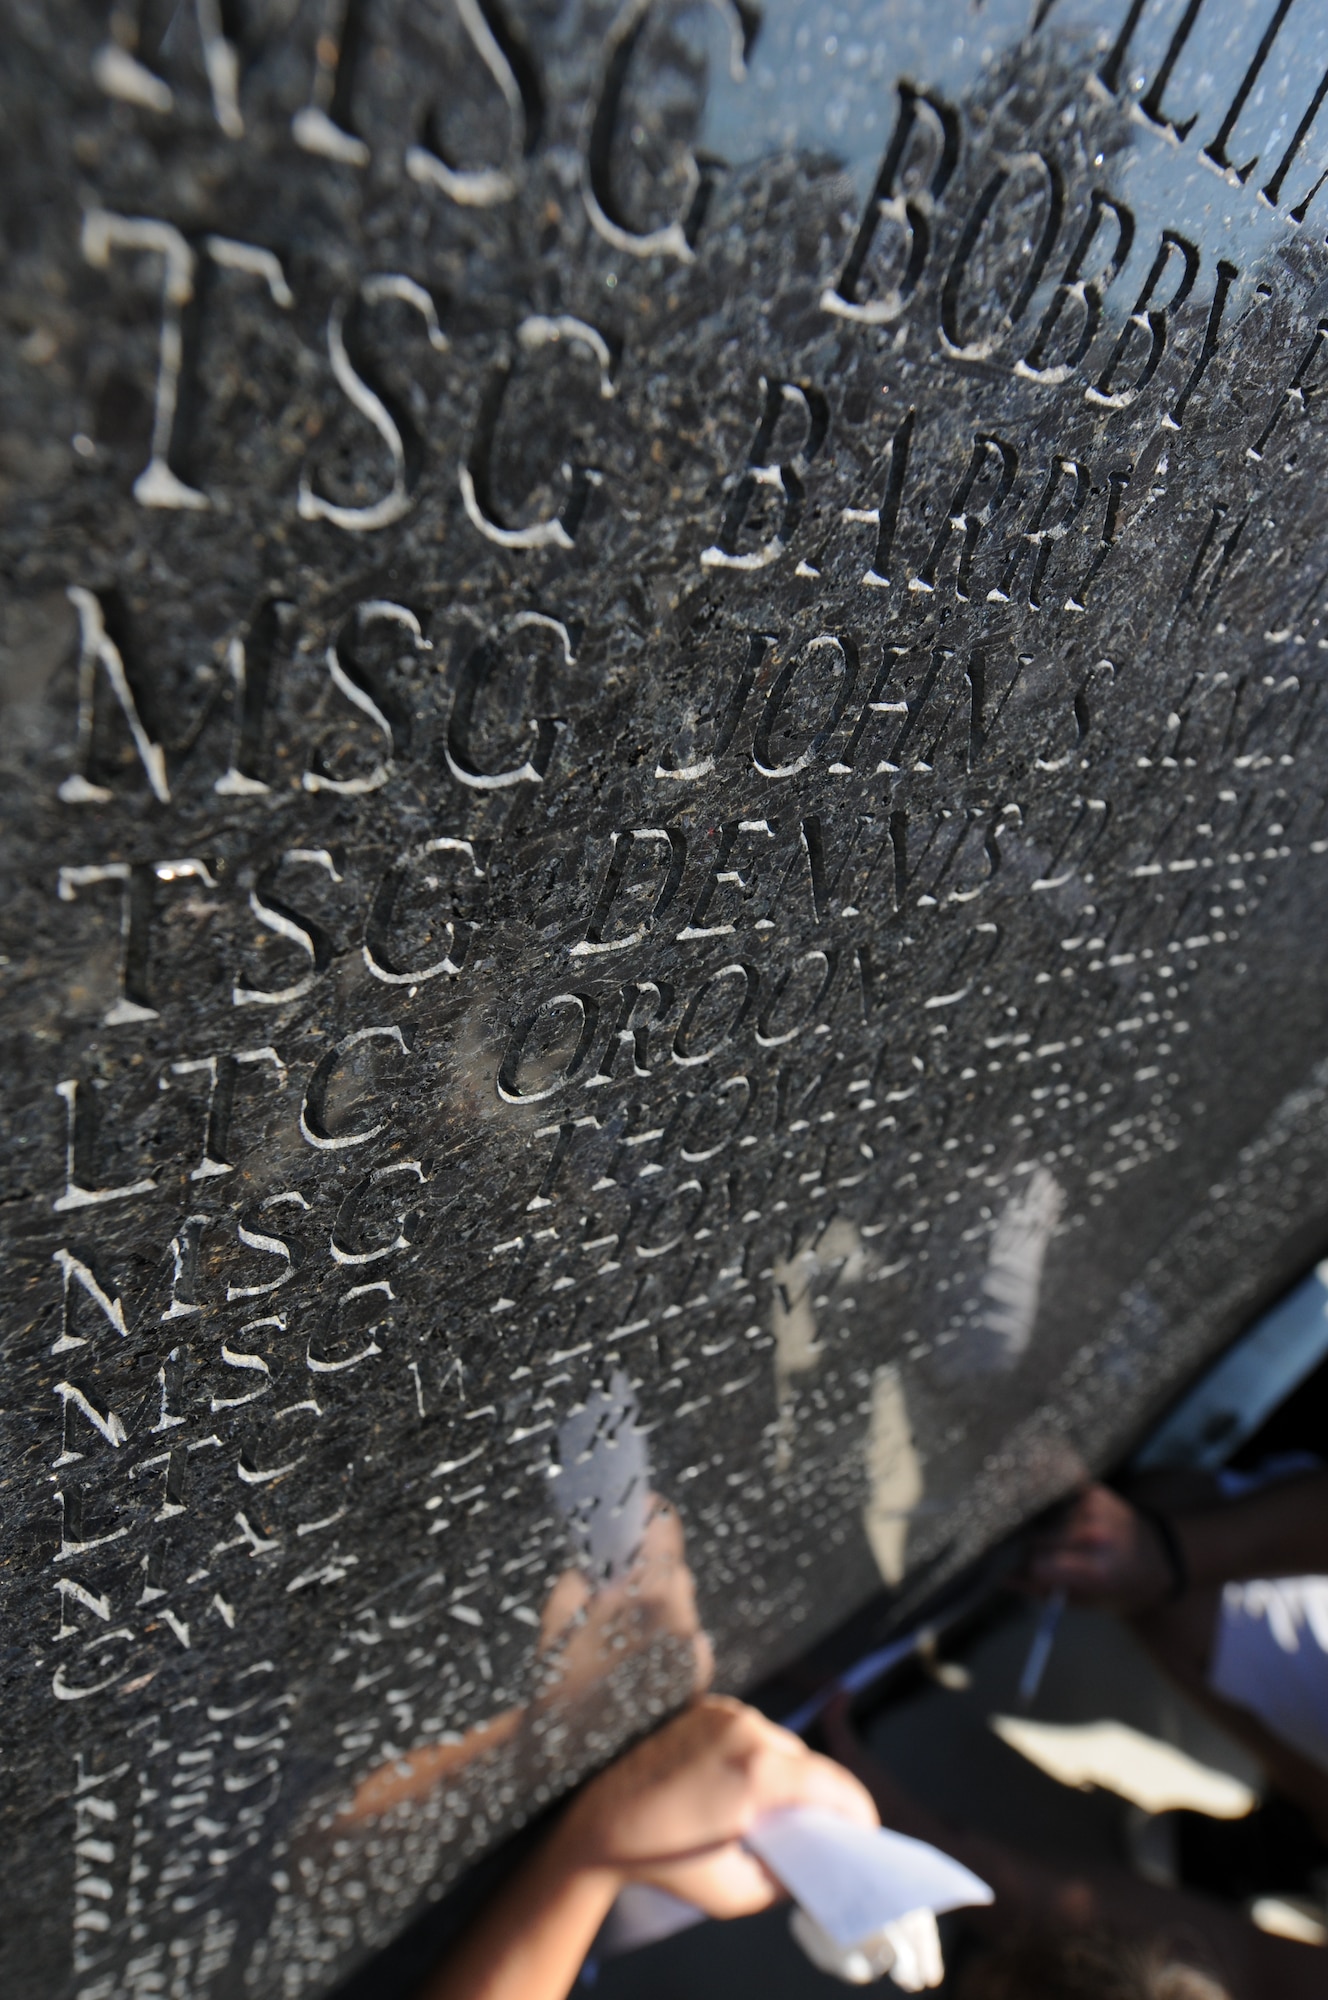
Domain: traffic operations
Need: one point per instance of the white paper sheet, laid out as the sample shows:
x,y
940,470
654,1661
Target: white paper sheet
x,y
908,1949
854,1880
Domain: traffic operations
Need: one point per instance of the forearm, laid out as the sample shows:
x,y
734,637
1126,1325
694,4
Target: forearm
x,y
530,1941
1279,1531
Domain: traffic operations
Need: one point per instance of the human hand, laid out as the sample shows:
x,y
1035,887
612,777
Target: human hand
x,y
672,1813
1102,1552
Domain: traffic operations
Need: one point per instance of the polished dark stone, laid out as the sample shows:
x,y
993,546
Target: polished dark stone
x,y
666,875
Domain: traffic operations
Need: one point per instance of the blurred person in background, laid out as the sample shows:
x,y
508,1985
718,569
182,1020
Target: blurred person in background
x,y
1225,1581
1085,1932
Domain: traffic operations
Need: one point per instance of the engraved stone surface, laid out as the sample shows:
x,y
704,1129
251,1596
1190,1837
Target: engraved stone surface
x,y
666,859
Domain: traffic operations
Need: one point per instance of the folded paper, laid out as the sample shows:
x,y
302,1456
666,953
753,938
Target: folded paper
x,y
854,1880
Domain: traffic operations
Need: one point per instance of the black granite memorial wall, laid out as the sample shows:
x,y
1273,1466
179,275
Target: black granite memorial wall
x,y
666,869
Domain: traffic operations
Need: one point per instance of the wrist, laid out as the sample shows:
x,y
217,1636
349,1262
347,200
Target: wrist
x,y
580,1845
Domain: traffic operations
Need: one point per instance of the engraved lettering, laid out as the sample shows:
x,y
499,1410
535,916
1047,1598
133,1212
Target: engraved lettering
x,y
1117,481
537,1061
1109,71
283,921
1086,294
135,921
137,898
726,729
314,1112
104,1421
1216,149
262,1237
379,957
831,662
78,1139
722,1112
335,1362
919,160
877,703
604,204
348,1232
399,498
786,480
973,859
688,1200
980,946
564,1136
476,674
712,1012
837,884
993,463
249,1363
1014,171
1151,104
350,678
509,63
534,337
1151,321
1212,559
221,1072
1295,395
667,849
159,485
630,1032
799,992
1227,275
936,699
249,664
118,67
885,518
1040,538
98,649
73,1271
183,1250
176,1466
324,124
1272,189
722,879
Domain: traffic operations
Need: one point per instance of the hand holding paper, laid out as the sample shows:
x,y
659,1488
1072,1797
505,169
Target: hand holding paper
x,y
862,1890
713,1814
867,1898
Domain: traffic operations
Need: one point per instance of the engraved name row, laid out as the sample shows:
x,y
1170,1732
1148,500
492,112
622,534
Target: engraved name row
x,y
646,1028
780,702
1252,140
774,704
1072,339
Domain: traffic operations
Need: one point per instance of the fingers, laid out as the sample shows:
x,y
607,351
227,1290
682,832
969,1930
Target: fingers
x,y
827,1784
675,1811
1087,1553
728,1883
779,1770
